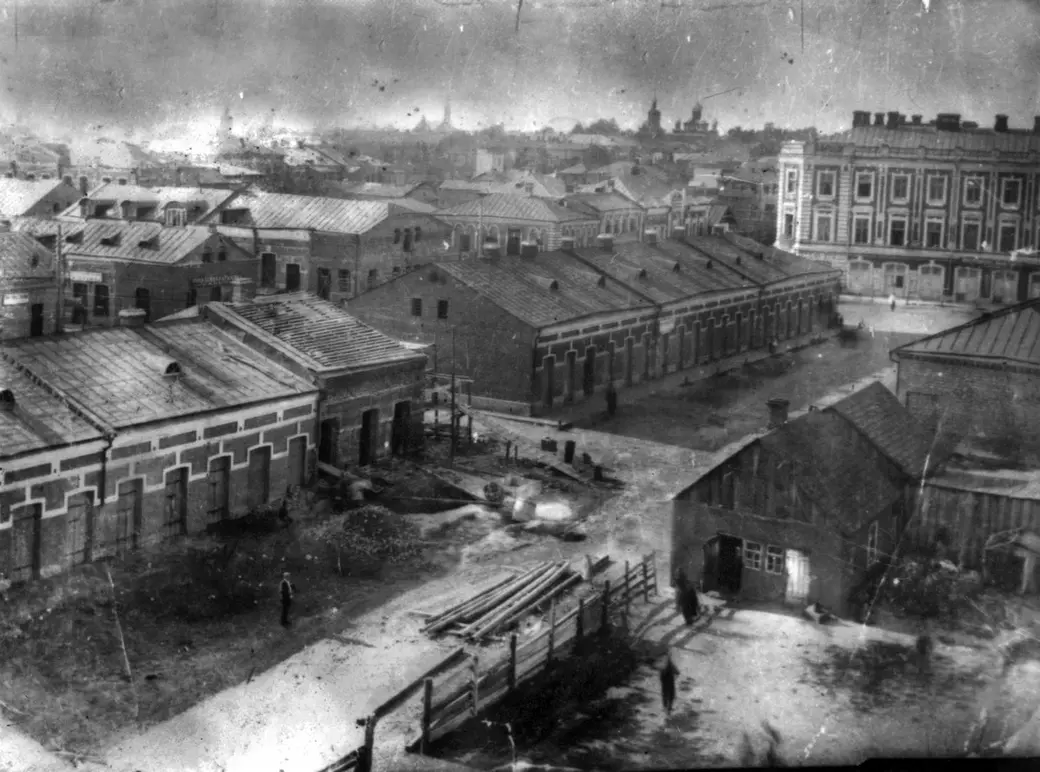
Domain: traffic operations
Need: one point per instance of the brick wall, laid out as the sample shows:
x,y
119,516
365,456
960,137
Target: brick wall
x,y
990,408
583,231
16,316
491,346
382,248
190,444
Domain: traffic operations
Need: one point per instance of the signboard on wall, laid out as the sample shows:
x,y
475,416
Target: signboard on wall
x,y
16,298
87,277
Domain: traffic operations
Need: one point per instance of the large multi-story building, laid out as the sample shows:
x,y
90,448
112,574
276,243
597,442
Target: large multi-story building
x,y
932,210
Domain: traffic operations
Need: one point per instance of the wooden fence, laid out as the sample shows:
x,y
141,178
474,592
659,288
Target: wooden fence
x,y
462,695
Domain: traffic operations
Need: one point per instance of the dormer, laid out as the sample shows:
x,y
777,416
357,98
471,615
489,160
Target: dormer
x,y
112,241
172,371
677,268
151,242
84,208
49,240
127,209
7,402
601,282
74,238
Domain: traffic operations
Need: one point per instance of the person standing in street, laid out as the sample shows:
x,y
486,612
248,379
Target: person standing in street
x,y
668,674
892,302
288,589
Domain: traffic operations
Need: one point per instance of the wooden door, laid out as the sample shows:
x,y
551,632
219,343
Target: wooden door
x,y
292,277
628,360
259,477
328,441
588,381
297,461
400,428
572,366
219,489
549,377
79,528
175,504
128,511
711,564
36,320
797,569
25,543
369,437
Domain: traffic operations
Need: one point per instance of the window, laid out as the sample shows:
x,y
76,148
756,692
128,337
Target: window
x,y
373,275
101,300
774,560
190,298
900,187
897,232
207,254
324,283
465,242
970,235
268,269
79,293
789,225
1011,193
973,191
864,185
442,309
221,255
861,230
823,227
936,190
753,555
872,543
176,217
407,246
416,306
792,181
397,235
933,233
343,284
418,234
1007,236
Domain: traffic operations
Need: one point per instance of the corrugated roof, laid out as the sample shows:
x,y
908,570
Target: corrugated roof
x,y
509,207
376,189
17,253
85,239
324,335
203,200
523,288
332,215
1011,334
216,371
602,202
17,197
412,205
876,412
718,249
39,420
931,138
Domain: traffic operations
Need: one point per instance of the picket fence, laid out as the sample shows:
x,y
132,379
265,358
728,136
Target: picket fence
x,y
462,695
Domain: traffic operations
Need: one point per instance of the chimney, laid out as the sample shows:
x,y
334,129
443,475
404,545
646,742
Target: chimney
x,y
948,122
650,237
61,171
177,177
860,118
127,208
84,208
605,242
243,290
777,412
134,177
528,250
84,186
879,119
1000,124
893,120
132,317
915,119
567,243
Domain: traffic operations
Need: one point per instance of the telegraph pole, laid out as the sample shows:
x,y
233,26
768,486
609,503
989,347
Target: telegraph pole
x,y
454,422
59,271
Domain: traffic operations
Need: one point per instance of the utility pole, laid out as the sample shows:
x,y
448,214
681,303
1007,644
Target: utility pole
x,y
454,422
59,271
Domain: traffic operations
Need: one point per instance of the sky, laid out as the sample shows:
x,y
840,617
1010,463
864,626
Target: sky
x,y
168,68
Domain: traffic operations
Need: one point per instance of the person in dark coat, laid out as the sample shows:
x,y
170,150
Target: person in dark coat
x,y
283,512
288,589
668,674
686,600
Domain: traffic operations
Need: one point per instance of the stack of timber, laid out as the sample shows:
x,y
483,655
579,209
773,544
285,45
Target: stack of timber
x,y
503,605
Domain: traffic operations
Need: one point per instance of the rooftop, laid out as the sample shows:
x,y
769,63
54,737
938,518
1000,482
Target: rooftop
x,y
376,189
141,242
601,202
17,197
23,257
512,207
320,335
911,137
291,212
131,389
1009,335
203,201
40,419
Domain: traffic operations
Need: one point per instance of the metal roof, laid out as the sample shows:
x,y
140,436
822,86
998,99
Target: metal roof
x,y
930,138
139,242
130,389
17,197
1009,335
602,202
17,253
206,200
39,420
322,334
505,206
332,215
376,189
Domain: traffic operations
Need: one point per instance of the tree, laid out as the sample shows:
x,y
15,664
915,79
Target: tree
x,y
578,129
604,126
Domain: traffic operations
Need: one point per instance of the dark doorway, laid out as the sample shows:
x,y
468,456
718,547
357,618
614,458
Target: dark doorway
x,y
572,367
549,376
175,514
297,461
219,489
36,320
629,353
268,269
79,528
216,294
143,300
369,435
588,384
400,428
324,283
292,278
723,563
328,442
513,242
259,476
26,543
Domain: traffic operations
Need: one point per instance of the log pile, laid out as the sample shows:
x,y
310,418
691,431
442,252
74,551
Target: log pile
x,y
503,605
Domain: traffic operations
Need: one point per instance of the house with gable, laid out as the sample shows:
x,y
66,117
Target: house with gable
x,y
28,287
35,198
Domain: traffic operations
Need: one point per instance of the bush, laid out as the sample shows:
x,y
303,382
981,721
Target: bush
x,y
368,536
919,586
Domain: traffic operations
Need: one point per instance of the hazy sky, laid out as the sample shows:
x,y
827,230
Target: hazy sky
x,y
153,64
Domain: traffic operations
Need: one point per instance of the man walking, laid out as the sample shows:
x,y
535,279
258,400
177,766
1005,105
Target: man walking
x,y
288,589
668,674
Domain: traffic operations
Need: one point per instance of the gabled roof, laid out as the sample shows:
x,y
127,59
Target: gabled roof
x,y
17,197
130,388
39,420
476,186
719,249
601,202
412,205
332,215
23,257
139,242
376,189
504,206
320,335
523,287
788,262
576,169
876,413
204,200
1011,334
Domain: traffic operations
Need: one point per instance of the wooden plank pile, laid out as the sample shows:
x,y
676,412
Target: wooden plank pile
x,y
504,604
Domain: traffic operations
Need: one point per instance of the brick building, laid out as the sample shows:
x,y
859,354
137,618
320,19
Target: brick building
x,y
539,329
616,213
182,427
978,384
113,265
371,386
28,287
334,248
917,210
505,221
800,512
35,198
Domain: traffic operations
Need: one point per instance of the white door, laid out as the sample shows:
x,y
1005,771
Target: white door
x,y
797,565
